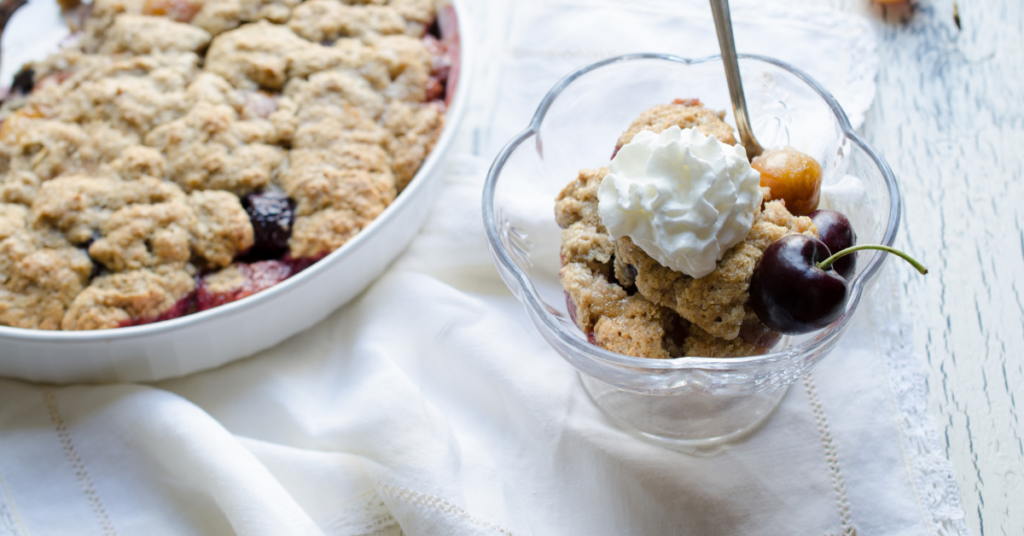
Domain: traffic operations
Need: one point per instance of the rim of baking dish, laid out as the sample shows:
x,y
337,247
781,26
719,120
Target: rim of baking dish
x,y
532,300
453,117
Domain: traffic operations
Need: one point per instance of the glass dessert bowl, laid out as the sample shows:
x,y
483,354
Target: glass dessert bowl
x,y
687,403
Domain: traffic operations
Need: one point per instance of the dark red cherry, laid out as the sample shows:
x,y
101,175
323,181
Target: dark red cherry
x,y
790,293
835,231
272,215
794,289
24,81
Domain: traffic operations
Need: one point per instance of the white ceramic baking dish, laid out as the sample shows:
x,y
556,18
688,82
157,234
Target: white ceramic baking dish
x,y
229,332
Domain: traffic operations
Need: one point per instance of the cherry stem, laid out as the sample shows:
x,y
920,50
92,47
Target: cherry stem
x,y
827,263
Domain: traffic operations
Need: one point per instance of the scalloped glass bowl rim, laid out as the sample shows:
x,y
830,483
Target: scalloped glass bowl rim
x,y
453,116
531,299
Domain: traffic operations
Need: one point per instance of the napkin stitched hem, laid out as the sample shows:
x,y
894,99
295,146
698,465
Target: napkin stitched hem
x,y
365,513
439,504
81,473
831,456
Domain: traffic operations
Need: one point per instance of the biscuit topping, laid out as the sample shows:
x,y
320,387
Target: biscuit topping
x,y
181,154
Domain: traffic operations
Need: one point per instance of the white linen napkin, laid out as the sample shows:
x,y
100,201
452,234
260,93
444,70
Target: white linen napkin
x,y
430,405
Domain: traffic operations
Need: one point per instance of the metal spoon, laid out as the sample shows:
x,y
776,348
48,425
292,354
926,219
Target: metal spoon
x,y
7,9
723,26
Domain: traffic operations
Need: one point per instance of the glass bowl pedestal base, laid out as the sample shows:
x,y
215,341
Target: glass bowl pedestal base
x,y
692,423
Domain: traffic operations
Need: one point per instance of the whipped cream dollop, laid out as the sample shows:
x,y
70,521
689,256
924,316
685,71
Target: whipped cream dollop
x,y
682,197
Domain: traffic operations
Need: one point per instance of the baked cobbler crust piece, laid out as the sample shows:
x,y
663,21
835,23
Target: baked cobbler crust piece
x,y
221,229
125,298
683,114
129,94
206,150
34,150
219,16
129,166
79,206
327,20
141,34
40,273
213,16
413,132
628,303
256,55
715,302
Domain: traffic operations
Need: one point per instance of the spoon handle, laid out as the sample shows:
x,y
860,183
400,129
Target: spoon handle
x,y
723,26
7,9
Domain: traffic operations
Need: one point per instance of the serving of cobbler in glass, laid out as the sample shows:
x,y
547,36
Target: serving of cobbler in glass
x,y
627,302
667,275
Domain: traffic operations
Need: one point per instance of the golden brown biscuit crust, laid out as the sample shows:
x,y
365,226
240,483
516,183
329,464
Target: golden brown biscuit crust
x,y
121,173
682,115
117,299
40,273
715,302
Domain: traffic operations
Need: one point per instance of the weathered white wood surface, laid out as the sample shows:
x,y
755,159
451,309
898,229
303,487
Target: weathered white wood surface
x,y
949,118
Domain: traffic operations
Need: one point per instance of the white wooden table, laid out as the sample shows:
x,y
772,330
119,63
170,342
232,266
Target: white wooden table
x,y
949,119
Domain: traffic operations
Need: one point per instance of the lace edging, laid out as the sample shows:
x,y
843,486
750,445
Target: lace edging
x,y
931,472
8,522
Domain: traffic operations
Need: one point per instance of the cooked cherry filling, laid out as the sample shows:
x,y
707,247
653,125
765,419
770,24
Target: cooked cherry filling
x,y
272,215
250,279
23,81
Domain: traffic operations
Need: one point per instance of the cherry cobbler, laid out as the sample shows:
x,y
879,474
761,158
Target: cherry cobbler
x,y
628,302
183,154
